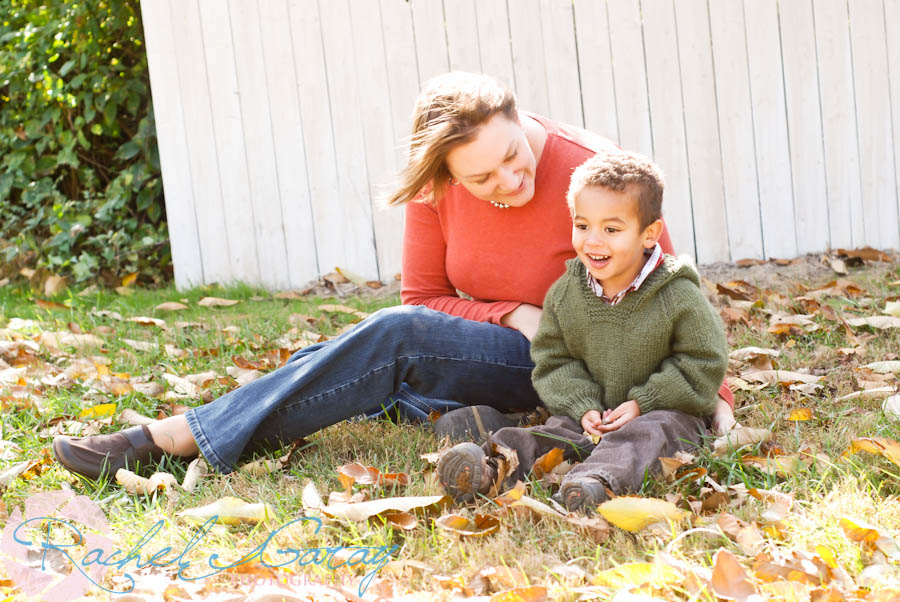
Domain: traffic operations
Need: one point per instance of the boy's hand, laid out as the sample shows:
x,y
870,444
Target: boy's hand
x,y
591,421
723,418
615,419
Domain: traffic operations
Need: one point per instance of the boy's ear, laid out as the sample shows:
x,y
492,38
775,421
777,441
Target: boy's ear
x,y
652,233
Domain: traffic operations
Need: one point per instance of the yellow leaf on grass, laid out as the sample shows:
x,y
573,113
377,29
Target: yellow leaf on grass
x,y
547,462
638,573
892,308
129,279
880,446
800,414
99,411
230,511
635,513
479,526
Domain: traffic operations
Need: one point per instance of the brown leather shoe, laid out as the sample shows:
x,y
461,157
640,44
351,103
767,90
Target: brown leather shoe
x,y
105,454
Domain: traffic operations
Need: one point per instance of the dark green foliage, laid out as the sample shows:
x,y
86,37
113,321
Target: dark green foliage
x,y
80,185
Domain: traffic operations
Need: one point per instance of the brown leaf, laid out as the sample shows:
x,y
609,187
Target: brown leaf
x,y
729,579
365,510
401,520
865,253
54,285
880,322
738,437
738,289
479,526
133,483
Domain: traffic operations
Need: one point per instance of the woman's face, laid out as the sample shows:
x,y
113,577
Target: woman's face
x,y
498,165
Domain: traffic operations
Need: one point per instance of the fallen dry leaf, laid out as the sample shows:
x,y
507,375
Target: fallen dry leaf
x,y
170,306
738,437
635,513
880,322
230,511
365,510
479,526
54,285
195,471
891,406
216,302
102,410
888,367
534,593
783,377
800,414
135,484
729,579
638,573
332,308
880,446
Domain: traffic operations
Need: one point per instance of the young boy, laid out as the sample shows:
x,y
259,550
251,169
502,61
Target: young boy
x,y
628,348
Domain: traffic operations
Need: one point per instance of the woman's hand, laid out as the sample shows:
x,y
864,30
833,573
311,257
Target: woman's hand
x,y
525,319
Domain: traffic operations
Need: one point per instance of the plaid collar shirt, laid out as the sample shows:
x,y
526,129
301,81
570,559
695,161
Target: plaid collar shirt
x,y
653,261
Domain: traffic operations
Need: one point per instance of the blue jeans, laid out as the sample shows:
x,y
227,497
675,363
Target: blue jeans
x,y
410,355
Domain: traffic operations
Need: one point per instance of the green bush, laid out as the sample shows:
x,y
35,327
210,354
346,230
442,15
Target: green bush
x,y
80,186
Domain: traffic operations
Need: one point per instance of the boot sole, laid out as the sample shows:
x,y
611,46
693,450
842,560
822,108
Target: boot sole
x,y
460,471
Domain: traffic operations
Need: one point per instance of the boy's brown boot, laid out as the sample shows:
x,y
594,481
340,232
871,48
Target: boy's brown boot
x,y
464,470
583,494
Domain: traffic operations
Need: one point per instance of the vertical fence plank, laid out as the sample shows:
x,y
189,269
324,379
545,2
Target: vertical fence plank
x,y
268,222
355,228
770,128
598,97
667,114
225,106
318,138
174,152
561,60
702,131
630,76
494,40
873,114
378,130
287,136
462,35
431,38
801,84
838,122
215,245
726,24
403,80
892,33
526,34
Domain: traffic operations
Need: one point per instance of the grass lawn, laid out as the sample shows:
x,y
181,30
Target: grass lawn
x,y
791,517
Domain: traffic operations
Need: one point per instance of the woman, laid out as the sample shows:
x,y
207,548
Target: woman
x,y
490,219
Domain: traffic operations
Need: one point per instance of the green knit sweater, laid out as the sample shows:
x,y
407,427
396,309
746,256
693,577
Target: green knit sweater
x,y
662,345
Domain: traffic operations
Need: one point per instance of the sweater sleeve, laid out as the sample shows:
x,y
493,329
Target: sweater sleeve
x,y
689,378
562,381
425,281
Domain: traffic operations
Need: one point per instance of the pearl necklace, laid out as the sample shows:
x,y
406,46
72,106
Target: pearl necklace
x,y
499,205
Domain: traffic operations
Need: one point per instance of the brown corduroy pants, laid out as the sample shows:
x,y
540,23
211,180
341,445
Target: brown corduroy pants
x,y
621,458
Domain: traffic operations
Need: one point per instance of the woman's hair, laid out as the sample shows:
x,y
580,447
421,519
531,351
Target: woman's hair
x,y
620,170
448,112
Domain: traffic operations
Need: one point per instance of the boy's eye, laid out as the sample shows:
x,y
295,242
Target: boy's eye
x,y
580,226
481,180
512,156
611,230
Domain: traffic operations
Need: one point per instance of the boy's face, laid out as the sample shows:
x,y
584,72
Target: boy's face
x,y
608,238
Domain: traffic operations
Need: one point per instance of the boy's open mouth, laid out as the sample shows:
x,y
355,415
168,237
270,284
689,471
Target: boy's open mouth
x,y
597,261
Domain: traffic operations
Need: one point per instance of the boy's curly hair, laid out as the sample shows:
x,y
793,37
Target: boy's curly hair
x,y
620,170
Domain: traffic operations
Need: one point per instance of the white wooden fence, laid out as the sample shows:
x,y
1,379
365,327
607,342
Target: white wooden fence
x,y
777,122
